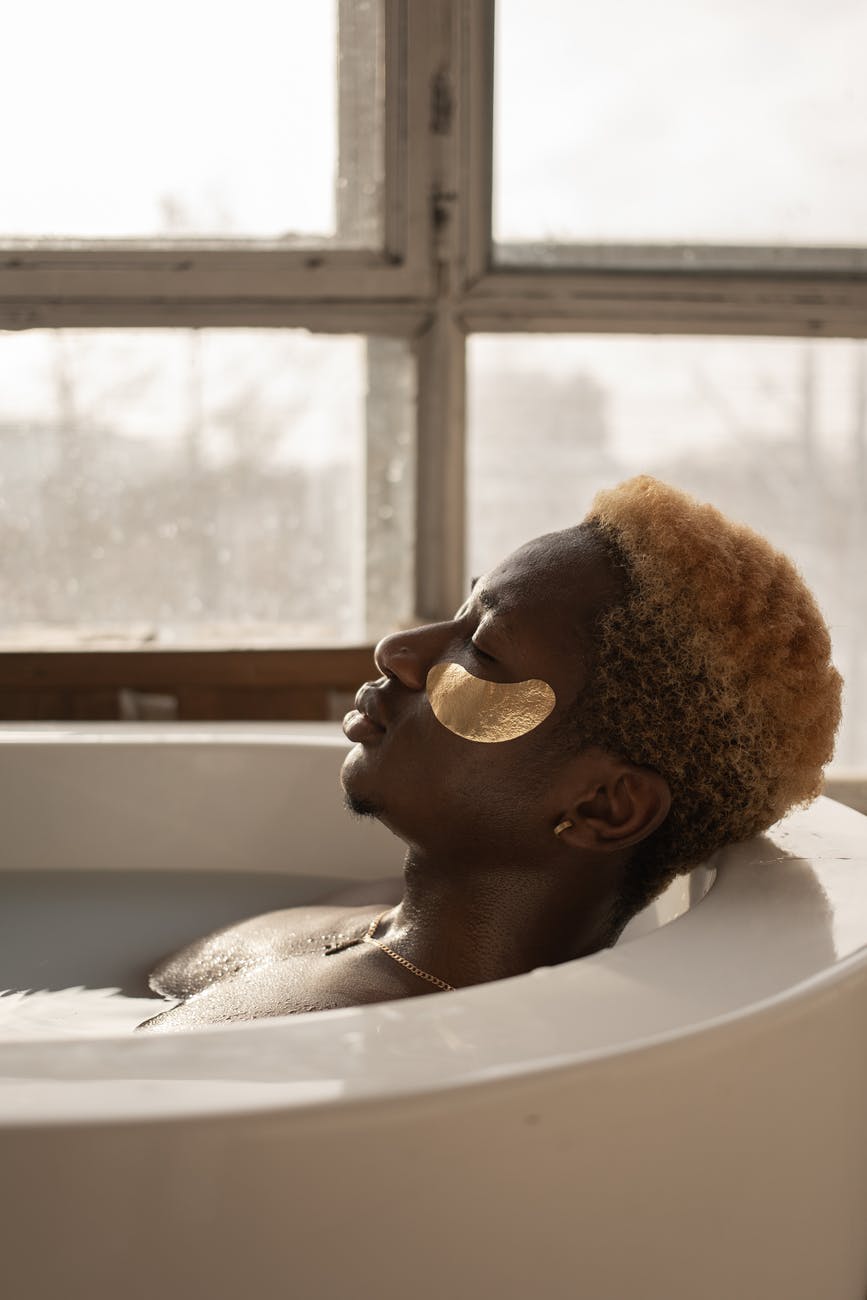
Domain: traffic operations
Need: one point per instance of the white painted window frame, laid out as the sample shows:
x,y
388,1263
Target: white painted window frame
x,y
436,278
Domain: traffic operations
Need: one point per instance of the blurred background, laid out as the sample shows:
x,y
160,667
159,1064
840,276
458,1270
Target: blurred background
x,y
195,483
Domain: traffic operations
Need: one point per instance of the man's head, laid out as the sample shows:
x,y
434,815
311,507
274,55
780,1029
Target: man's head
x,y
687,701
484,806
715,670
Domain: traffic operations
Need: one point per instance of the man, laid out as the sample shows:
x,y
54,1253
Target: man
x,y
610,705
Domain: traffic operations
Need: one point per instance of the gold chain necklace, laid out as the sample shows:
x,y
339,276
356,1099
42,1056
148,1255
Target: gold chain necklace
x,y
416,970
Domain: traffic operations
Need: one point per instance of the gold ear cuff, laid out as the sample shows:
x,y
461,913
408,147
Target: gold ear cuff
x,y
558,830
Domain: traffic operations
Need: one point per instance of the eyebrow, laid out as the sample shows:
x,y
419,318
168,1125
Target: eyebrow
x,y
485,598
489,601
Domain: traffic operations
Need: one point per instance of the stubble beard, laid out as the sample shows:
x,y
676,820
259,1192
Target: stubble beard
x,y
360,807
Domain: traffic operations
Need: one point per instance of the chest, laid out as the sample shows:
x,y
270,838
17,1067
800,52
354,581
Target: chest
x,y
319,978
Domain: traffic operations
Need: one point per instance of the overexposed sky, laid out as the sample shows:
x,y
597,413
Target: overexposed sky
x,y
178,116
295,398
670,395
729,121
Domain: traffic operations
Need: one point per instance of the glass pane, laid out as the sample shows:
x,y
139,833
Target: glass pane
x,y
773,432
187,487
197,120
709,120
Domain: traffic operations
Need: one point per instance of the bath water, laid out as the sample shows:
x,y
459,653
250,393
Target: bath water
x,y
76,946
72,1013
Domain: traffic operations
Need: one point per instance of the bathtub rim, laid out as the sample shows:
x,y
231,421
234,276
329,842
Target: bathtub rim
x,y
457,1074
843,973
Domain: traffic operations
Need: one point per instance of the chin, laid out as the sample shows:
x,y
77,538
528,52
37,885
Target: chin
x,y
360,807
359,800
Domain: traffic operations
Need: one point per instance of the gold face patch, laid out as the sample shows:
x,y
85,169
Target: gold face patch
x,y
486,711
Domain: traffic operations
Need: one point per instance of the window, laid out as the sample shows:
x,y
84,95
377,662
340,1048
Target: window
x,y
473,222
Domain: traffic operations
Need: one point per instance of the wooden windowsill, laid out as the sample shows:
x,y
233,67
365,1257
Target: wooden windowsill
x,y
304,684
158,667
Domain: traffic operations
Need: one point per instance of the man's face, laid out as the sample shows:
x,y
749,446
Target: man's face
x,y
524,620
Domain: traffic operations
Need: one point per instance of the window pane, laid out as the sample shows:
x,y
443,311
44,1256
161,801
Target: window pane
x,y
196,119
773,432
191,487
715,120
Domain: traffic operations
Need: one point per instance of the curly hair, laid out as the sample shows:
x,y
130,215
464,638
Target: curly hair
x,y
713,668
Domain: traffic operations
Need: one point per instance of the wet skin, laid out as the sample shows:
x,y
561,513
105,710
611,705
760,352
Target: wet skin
x,y
489,890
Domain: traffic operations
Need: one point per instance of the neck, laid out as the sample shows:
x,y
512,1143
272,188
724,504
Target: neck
x,y
471,923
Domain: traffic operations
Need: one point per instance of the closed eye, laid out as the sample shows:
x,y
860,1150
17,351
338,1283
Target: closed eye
x,y
483,654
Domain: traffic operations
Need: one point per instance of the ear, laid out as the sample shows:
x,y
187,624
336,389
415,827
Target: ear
x,y
618,804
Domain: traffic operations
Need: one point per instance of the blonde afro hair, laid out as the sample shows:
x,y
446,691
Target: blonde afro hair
x,y
714,669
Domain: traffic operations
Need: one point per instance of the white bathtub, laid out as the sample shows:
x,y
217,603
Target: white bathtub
x,y
682,1116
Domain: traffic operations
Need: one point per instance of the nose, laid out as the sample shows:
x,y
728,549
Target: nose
x,y
409,656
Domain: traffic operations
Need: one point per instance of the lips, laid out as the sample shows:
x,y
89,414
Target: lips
x,y
364,723
367,703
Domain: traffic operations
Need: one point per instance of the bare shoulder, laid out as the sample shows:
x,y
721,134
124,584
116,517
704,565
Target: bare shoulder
x,y
255,941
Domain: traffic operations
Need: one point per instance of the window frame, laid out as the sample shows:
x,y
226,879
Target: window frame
x,y
436,279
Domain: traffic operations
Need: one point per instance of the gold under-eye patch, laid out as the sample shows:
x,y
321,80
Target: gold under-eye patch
x,y
487,711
